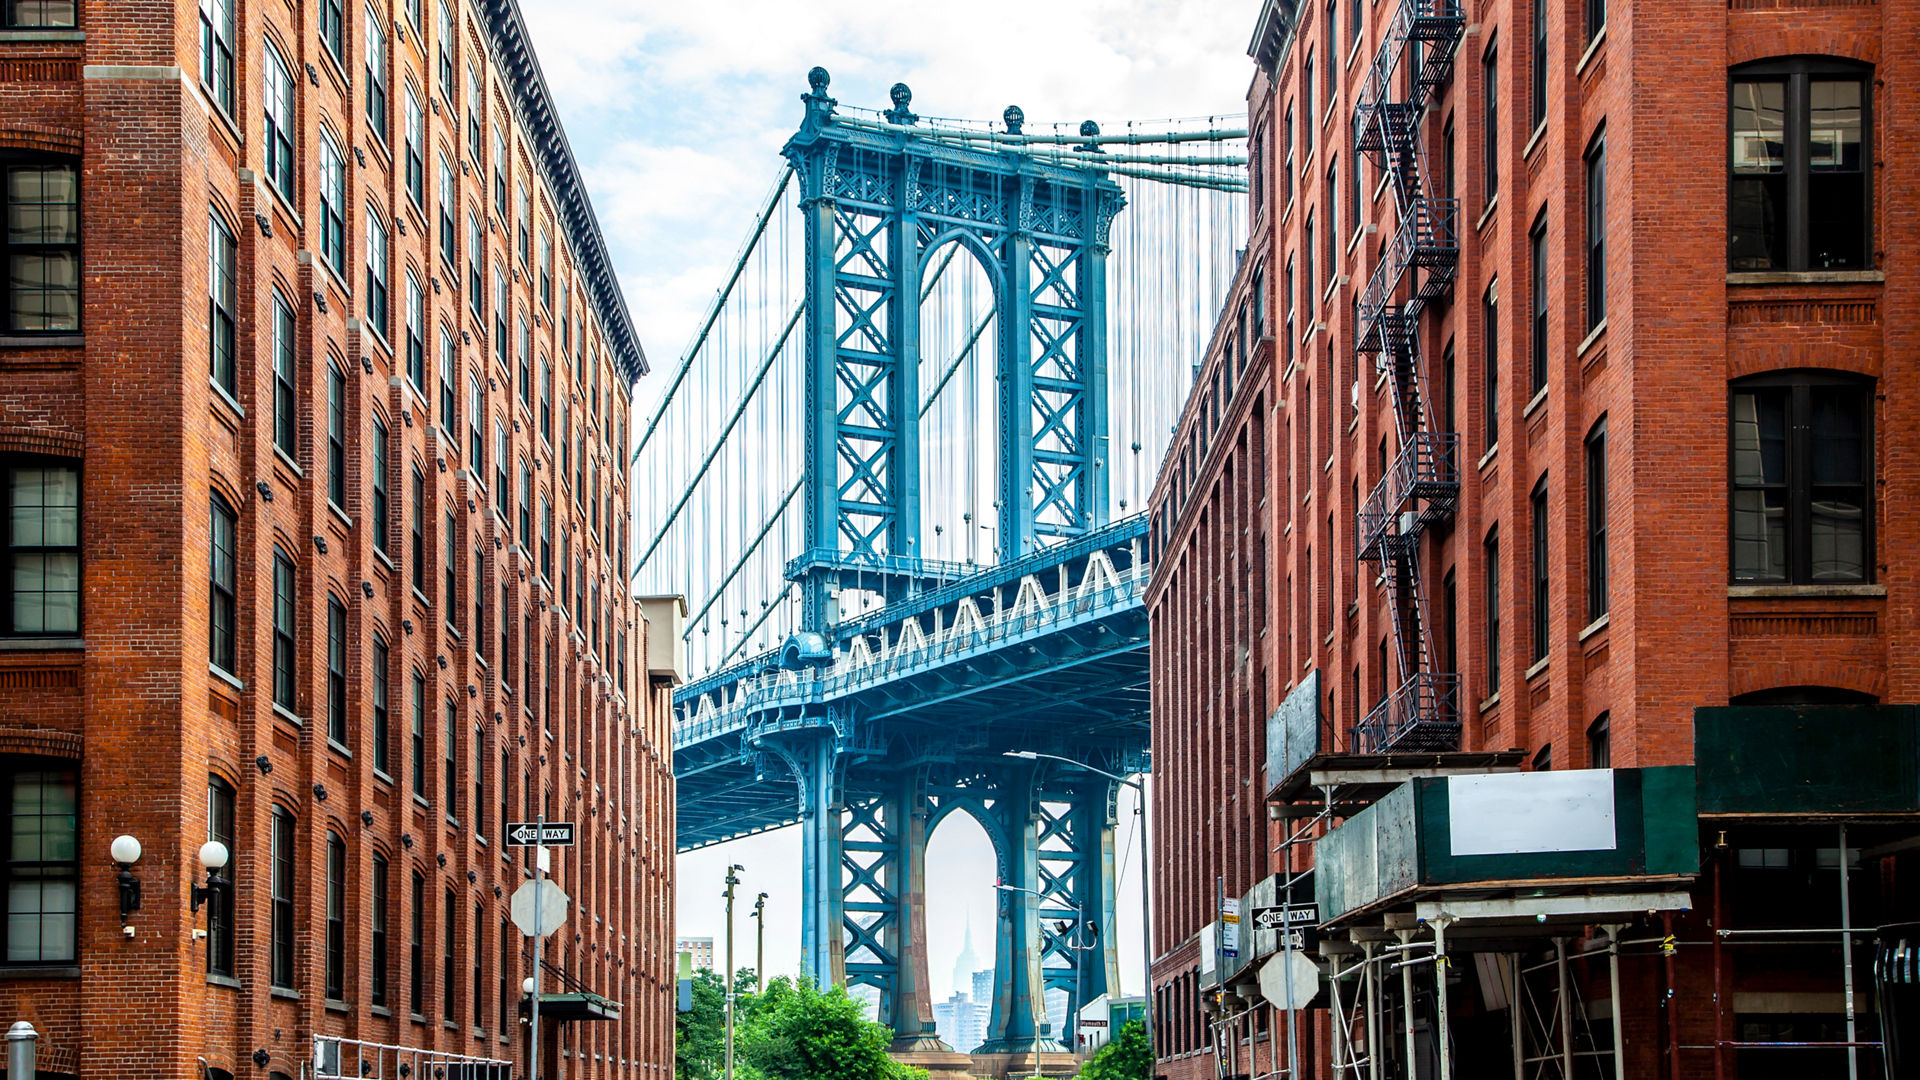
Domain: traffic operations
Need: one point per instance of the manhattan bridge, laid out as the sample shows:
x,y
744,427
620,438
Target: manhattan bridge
x,y
899,474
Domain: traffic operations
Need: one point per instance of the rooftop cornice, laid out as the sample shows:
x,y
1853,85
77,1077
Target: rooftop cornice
x,y
515,52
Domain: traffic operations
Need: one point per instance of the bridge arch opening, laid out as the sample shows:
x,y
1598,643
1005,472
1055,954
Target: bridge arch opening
x,y
962,868
958,411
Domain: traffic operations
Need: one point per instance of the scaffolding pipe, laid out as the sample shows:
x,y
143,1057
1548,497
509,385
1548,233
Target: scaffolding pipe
x,y
1846,958
1515,1019
1373,1017
1565,1006
1613,985
1406,1006
713,312
1339,1017
1667,1001
1441,1031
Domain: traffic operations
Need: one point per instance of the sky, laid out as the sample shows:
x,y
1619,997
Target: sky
x,y
676,112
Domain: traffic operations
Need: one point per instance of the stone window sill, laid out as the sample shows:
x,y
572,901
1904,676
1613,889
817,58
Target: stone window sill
x,y
1805,592
1805,277
42,341
34,644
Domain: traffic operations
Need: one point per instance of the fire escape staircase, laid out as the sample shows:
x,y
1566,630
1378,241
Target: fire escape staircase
x,y
1421,487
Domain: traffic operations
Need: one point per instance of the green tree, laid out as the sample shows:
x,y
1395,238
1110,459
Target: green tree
x,y
796,1032
699,1036
1127,1057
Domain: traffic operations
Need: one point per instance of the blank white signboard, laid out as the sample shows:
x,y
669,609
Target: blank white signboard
x,y
1517,813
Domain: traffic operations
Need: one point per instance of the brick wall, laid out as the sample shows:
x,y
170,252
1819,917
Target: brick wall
x,y
134,699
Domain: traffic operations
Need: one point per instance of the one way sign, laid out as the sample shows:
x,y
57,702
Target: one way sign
x,y
530,833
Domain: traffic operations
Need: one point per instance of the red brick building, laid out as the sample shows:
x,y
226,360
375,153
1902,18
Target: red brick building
x,y
1549,468
314,388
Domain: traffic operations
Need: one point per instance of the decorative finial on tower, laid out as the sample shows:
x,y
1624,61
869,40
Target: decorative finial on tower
x,y
819,104
902,96
1014,117
1089,131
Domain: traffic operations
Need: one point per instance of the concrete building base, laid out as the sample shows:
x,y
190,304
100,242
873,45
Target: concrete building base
x,y
940,1062
999,1066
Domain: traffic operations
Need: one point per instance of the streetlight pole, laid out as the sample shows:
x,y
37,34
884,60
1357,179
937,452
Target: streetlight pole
x,y
1146,895
760,943
733,879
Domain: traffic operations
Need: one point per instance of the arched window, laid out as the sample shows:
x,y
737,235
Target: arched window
x,y
1799,196
1802,475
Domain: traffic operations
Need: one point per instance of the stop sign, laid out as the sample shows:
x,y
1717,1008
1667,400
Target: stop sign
x,y
539,908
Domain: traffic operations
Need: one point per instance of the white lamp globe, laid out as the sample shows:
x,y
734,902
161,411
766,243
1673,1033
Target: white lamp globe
x,y
526,985
125,850
213,855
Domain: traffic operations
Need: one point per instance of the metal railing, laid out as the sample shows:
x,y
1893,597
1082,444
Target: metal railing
x,y
1426,471
1422,716
358,1059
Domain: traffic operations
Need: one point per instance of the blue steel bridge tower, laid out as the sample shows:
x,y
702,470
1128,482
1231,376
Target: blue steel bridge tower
x,y
874,720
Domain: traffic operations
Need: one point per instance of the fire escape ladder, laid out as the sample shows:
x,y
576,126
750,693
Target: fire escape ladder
x,y
1421,485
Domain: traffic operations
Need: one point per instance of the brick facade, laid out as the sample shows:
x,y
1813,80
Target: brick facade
x,y
535,659
1253,517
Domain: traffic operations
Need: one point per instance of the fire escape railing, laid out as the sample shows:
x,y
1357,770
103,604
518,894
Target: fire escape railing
x,y
1421,486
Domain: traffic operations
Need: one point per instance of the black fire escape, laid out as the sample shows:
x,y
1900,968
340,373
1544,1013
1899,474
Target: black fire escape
x,y
1422,484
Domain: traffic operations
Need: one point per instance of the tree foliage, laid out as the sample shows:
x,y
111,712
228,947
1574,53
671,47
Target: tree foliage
x,y
792,1031
1127,1057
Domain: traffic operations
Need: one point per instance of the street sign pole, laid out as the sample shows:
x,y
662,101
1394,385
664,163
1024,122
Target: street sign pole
x,y
539,879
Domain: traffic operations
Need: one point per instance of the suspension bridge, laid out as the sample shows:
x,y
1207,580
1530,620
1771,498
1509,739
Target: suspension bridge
x,y
898,474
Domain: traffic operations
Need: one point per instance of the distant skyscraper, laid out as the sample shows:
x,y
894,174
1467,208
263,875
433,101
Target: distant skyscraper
x,y
967,962
983,987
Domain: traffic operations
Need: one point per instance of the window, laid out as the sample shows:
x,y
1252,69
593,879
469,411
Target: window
x,y
417,527
1798,199
24,13
1490,361
333,205
448,569
418,744
377,273
1537,353
43,861
500,319
480,779
220,920
476,108
283,624
416,945
216,51
382,449
502,495
286,392
1597,232
377,927
448,920
445,35
449,776
42,554
546,539
546,270
477,586
220,578
526,505
476,413
476,254
546,399
276,84
1600,743
416,155
1490,126
1539,66
416,333
500,175
333,29
336,671
448,389
1802,467
376,75
42,244
1597,597
522,223
282,899
1543,759
1492,554
449,236
479,952
222,314
1541,622
1307,296
505,1003
382,749
1306,106
1596,22
336,435
336,917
